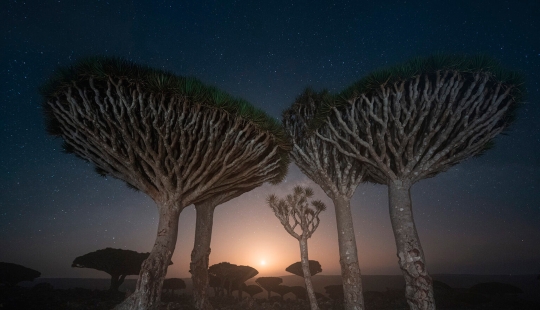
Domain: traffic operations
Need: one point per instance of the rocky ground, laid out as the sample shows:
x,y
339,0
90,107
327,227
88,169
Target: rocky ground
x,y
44,297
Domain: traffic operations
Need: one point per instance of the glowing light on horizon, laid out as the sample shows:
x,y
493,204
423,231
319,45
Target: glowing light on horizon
x,y
263,262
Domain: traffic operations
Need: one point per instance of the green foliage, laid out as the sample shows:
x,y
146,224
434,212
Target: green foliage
x,y
11,274
102,69
464,64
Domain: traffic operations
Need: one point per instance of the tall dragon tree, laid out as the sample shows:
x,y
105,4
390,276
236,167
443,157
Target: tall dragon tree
x,y
300,220
337,174
413,121
174,138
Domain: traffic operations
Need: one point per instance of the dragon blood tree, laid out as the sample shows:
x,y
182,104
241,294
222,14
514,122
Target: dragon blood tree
x,y
173,138
300,221
337,174
414,121
118,263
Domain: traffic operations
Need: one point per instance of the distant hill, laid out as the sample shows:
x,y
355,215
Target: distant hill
x,y
528,283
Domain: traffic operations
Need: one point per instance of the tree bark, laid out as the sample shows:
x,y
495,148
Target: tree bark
x,y
307,274
418,283
350,269
201,253
147,295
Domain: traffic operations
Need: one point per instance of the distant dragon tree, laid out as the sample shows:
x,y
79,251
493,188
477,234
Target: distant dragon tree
x,y
175,139
300,218
337,174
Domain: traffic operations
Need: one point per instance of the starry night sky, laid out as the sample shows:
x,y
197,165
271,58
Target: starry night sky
x,y
481,217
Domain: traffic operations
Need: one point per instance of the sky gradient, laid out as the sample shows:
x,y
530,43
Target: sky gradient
x,y
480,217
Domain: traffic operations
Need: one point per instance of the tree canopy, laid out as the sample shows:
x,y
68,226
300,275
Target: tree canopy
x,y
118,263
231,277
269,283
179,141
282,290
252,290
296,268
412,122
11,274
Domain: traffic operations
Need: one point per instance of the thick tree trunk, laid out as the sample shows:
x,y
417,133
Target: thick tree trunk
x,y
418,283
147,295
307,274
348,257
115,278
201,253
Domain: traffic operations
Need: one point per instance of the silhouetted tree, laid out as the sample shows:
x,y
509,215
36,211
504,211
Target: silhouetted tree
x,y
252,290
239,276
11,274
269,283
222,271
174,138
294,212
337,174
215,283
174,284
299,291
231,277
282,290
412,122
296,268
117,263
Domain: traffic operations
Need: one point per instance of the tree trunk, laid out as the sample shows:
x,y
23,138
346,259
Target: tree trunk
x,y
114,283
240,292
201,253
348,257
418,283
307,274
147,295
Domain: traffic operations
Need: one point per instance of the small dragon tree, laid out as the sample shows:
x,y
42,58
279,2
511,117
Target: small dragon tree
x,y
414,121
338,175
222,271
117,263
294,211
174,138
282,290
297,268
239,276
252,290
269,283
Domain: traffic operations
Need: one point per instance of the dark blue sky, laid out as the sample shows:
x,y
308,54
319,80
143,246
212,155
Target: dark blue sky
x,y
482,216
